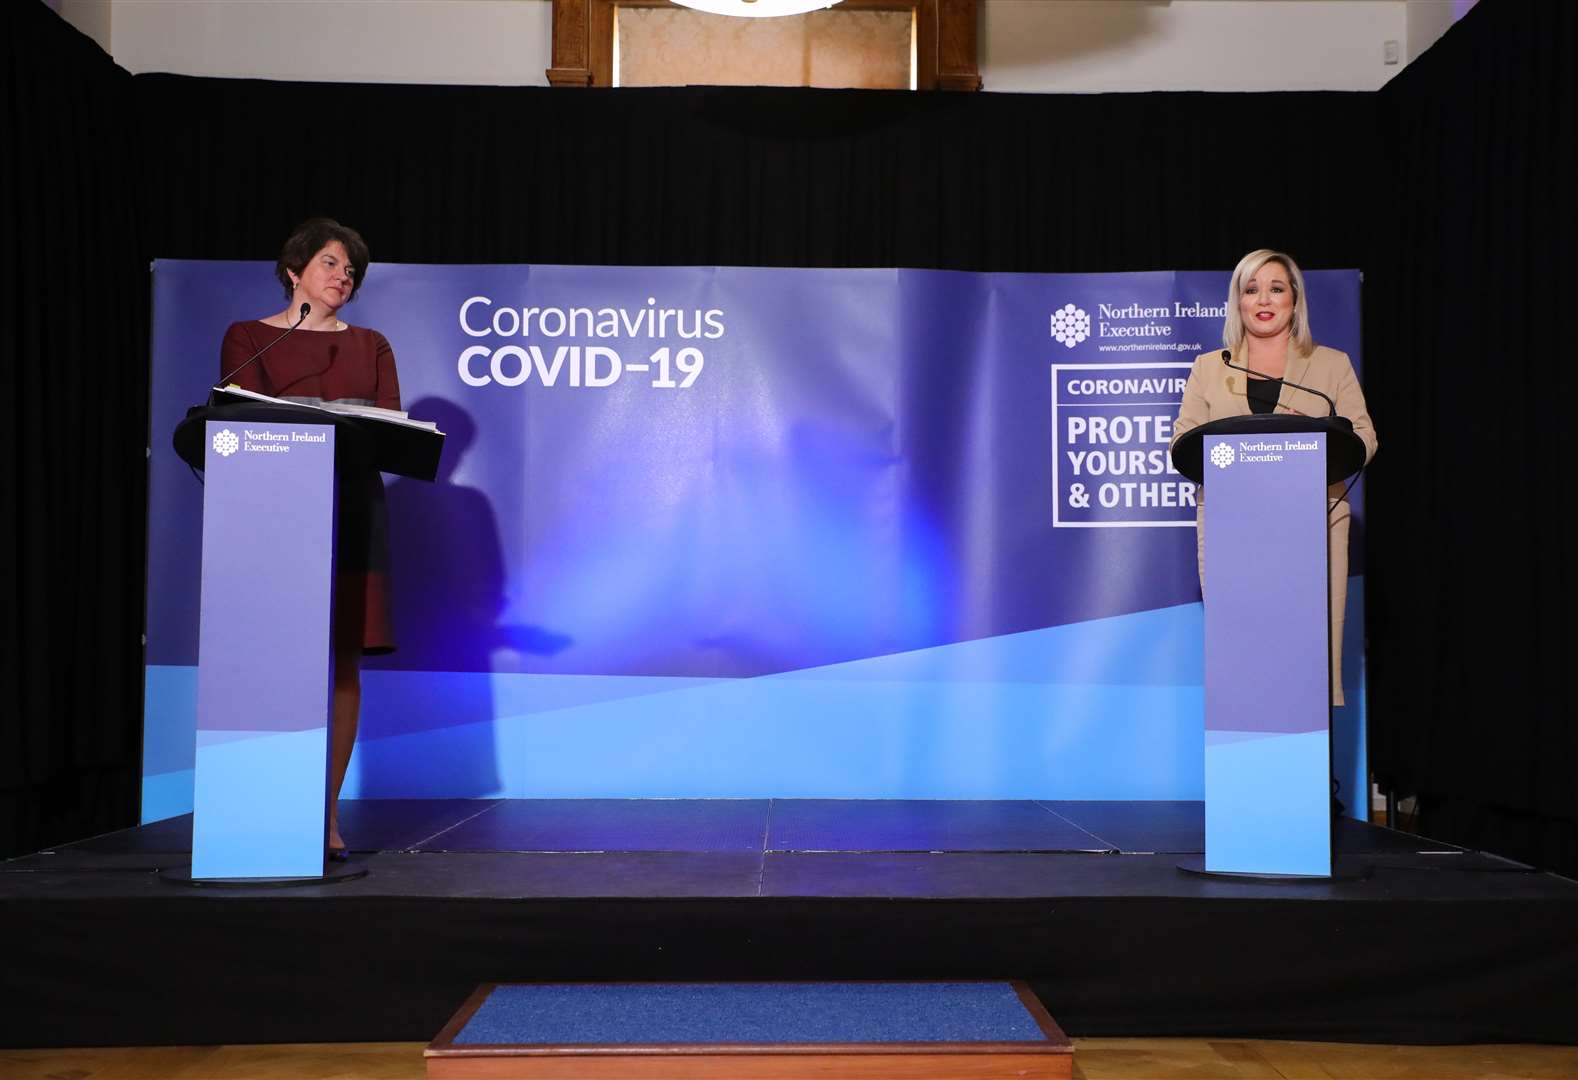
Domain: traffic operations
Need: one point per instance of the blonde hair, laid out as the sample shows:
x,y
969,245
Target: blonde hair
x,y
1298,330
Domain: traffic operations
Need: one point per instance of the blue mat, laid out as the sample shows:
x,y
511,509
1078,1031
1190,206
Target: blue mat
x,y
716,1013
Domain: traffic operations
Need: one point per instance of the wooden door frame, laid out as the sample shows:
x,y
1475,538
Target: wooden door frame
x,y
945,40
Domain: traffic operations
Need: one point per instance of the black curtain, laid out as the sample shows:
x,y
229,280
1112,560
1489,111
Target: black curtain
x,y
1393,182
74,406
1469,307
753,177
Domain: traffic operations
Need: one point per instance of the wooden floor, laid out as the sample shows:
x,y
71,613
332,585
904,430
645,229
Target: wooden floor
x,y
1094,1059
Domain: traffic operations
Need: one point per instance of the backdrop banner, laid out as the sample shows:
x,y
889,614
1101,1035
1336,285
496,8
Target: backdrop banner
x,y
735,532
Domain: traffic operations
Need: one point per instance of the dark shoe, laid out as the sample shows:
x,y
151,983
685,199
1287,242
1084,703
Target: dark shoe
x,y
339,854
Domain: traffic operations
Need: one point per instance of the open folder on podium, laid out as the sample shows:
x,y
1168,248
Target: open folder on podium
x,y
400,444
271,494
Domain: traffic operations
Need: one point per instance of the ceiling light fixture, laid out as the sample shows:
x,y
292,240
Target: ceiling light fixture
x,y
757,9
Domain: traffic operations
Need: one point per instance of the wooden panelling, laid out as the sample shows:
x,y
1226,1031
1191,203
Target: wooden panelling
x,y
945,32
1094,1059
757,1067
571,44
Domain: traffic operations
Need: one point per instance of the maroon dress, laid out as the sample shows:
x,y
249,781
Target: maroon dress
x,y
354,366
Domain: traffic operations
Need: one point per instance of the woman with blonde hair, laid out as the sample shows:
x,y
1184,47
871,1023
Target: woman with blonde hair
x,y
1268,331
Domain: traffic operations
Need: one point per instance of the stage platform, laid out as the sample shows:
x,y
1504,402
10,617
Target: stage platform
x,y
1082,899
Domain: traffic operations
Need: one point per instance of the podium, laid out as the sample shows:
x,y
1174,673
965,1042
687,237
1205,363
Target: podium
x,y
272,472
1267,637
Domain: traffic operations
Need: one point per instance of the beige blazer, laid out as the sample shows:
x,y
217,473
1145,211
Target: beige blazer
x,y
1215,390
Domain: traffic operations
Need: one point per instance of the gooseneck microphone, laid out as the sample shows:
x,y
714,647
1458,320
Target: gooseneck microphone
x,y
1227,358
306,309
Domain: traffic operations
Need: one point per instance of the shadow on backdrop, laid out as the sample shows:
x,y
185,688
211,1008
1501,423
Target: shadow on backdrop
x,y
450,592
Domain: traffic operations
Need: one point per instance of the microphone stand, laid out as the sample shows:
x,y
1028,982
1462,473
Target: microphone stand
x,y
1227,358
306,309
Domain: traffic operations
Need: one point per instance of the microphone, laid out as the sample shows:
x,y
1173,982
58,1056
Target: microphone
x,y
1227,358
306,309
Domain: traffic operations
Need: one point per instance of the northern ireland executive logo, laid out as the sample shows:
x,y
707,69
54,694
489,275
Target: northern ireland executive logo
x,y
226,443
1070,325
1222,455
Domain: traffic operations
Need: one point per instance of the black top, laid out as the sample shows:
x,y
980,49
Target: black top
x,y
1263,394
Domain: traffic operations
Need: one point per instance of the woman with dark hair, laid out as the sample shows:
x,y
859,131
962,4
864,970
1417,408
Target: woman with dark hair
x,y
321,267
1268,330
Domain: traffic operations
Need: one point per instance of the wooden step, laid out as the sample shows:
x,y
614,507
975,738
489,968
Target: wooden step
x,y
752,1031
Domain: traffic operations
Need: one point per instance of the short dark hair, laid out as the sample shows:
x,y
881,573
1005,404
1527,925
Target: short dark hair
x,y
309,238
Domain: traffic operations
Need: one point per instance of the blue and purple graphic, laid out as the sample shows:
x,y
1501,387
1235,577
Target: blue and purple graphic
x,y
1267,656
733,532
263,685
